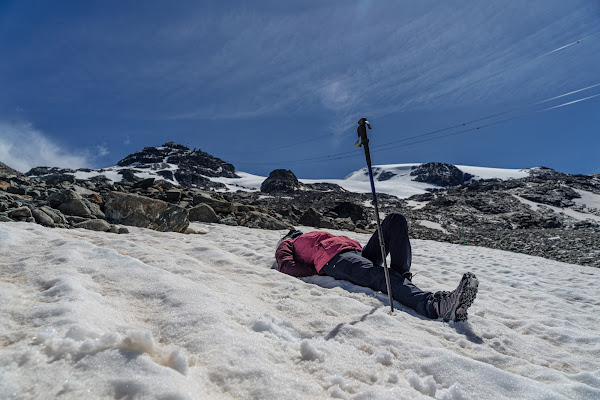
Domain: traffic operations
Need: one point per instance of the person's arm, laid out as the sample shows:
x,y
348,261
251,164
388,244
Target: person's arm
x,y
286,263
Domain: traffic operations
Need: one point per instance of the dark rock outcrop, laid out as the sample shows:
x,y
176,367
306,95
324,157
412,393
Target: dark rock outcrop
x,y
311,217
280,181
350,210
190,163
440,174
176,163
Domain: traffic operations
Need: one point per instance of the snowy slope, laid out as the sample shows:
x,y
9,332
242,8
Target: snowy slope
x,y
153,315
402,184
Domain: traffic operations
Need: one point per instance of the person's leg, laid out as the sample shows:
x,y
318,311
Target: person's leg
x,y
395,237
351,266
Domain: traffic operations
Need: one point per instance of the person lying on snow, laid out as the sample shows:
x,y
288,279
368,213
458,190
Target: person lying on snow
x,y
304,254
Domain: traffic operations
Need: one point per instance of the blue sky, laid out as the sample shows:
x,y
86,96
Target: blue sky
x,y
263,84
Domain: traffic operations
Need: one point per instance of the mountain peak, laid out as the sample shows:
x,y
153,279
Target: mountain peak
x,y
173,162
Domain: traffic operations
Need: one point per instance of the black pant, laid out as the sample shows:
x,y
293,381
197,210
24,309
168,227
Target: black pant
x,y
395,236
365,269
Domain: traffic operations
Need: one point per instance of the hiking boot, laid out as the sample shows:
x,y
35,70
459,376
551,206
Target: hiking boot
x,y
453,305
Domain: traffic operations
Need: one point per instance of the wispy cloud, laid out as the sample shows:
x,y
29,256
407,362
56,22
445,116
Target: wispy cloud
x,y
23,147
370,59
102,151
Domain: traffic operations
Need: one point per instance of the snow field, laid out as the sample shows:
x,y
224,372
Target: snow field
x,y
401,185
170,316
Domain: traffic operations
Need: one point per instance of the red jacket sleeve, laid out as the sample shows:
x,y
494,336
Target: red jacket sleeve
x,y
288,265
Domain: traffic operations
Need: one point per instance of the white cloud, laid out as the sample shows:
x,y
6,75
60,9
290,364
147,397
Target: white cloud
x,y
102,151
23,147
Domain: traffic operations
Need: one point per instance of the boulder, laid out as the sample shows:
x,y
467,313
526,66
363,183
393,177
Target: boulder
x,y
56,215
326,223
173,196
144,184
144,212
75,207
4,185
129,176
21,212
70,202
220,206
36,194
345,224
63,196
203,213
99,225
231,221
17,189
311,217
95,198
280,181
41,217
74,219
350,210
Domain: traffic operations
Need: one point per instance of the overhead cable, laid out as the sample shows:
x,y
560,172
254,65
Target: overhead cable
x,y
385,146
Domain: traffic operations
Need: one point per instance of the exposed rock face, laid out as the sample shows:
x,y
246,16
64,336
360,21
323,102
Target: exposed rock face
x,y
280,181
190,163
385,175
440,174
140,211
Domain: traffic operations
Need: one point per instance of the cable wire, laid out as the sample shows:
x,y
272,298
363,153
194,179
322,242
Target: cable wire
x,y
336,156
563,47
492,75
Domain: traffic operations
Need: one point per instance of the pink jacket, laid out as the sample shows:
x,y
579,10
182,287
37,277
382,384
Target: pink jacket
x,y
308,253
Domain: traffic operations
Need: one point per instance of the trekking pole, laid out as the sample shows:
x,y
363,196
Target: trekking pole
x,y
363,140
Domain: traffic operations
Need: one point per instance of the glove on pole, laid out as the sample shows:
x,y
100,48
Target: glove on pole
x,y
363,140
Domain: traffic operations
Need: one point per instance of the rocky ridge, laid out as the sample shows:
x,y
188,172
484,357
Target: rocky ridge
x,y
542,214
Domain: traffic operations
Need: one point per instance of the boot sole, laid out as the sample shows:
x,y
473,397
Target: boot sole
x,y
467,296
